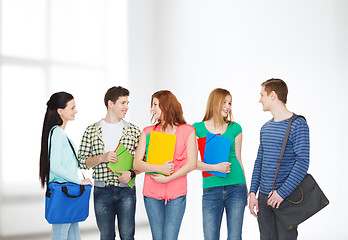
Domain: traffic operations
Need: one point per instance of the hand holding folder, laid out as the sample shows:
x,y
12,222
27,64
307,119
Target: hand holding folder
x,y
161,148
217,149
124,163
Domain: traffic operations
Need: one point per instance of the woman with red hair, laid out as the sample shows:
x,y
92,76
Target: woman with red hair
x,y
165,195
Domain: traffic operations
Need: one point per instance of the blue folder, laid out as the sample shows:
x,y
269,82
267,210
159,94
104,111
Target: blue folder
x,y
217,149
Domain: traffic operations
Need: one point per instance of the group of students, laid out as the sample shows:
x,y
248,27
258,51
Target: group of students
x,y
165,195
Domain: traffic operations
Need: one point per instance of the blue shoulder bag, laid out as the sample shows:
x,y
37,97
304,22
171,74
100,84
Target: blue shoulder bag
x,y
66,202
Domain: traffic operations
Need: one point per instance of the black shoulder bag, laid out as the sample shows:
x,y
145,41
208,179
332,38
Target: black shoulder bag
x,y
306,200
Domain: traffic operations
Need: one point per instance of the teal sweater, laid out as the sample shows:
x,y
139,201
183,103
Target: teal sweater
x,y
63,163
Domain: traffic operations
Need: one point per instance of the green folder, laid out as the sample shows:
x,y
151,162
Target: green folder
x,y
124,163
147,150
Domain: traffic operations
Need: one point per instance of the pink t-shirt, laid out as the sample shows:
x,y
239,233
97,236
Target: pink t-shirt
x,y
177,187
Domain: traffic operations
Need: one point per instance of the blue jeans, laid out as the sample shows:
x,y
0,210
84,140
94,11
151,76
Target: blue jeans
x,y
111,201
233,198
68,231
270,228
165,220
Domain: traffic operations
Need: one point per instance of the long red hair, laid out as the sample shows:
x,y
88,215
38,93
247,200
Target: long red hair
x,y
172,113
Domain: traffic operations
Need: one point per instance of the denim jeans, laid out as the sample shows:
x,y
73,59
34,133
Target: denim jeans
x,y
270,228
233,198
68,231
165,220
111,201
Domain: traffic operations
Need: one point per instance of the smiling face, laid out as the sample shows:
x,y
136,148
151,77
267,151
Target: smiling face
x,y
120,107
226,107
68,113
155,109
265,99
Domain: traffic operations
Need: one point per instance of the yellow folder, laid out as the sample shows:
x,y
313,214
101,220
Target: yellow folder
x,y
161,148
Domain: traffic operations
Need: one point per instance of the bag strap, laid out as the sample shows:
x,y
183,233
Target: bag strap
x,y
73,149
293,117
49,155
65,191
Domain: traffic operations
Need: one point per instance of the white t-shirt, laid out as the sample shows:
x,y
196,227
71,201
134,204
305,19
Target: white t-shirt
x,y
111,134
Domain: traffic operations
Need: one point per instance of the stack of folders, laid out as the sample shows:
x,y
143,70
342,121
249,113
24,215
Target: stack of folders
x,y
124,163
214,149
160,148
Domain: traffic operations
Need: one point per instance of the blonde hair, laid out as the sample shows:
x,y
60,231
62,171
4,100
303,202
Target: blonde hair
x,y
215,104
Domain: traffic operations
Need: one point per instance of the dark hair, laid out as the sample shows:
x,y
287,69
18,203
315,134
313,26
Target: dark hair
x,y
114,93
52,118
278,86
171,108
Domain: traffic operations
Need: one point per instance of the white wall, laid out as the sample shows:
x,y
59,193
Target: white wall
x,y
78,46
199,45
193,46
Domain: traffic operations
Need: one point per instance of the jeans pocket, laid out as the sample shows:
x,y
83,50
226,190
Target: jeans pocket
x,y
212,194
240,185
97,190
131,190
207,189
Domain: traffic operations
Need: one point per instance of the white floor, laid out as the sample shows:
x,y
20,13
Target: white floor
x,y
190,230
142,232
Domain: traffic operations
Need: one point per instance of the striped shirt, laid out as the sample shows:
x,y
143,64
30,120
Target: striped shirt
x,y
295,161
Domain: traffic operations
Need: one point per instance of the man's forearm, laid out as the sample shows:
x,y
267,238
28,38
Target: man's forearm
x,y
94,161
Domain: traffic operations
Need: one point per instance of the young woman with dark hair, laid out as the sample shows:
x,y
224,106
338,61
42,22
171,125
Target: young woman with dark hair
x,y
165,196
63,167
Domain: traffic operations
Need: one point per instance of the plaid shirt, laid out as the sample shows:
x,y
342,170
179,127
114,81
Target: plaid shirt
x,y
92,145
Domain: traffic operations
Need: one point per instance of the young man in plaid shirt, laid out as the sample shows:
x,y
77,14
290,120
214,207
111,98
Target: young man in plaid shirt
x,y
112,196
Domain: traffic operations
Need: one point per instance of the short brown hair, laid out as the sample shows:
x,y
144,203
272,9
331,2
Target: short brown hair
x,y
114,93
214,107
171,108
278,86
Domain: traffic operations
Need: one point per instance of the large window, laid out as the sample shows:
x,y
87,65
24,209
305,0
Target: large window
x,y
78,46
